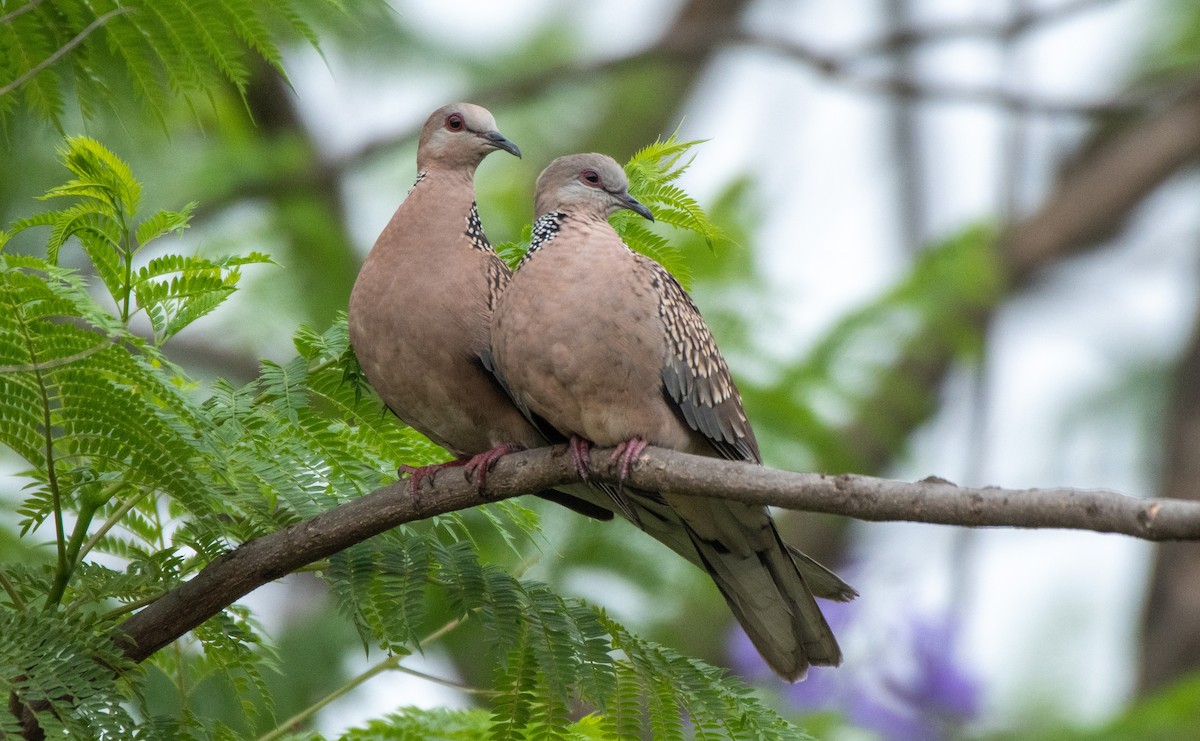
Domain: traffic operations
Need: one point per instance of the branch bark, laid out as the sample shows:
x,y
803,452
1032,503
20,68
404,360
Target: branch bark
x,y
270,557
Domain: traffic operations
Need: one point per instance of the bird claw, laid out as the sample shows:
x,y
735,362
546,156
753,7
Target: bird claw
x,y
579,448
478,466
627,453
418,474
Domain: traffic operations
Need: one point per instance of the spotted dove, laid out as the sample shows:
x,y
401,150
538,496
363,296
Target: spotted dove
x,y
604,345
422,302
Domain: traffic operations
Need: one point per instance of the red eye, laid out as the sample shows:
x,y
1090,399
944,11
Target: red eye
x,y
454,122
590,176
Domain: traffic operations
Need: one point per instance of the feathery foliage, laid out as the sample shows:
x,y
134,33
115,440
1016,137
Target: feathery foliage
x,y
173,290
126,459
154,50
652,173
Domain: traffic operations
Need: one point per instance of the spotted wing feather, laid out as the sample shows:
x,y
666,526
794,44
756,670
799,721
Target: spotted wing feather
x,y
695,376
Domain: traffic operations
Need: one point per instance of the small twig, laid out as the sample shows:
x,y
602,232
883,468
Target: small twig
x,y
391,662
840,67
111,521
449,627
33,71
1019,24
56,362
131,606
12,592
829,65
20,11
446,682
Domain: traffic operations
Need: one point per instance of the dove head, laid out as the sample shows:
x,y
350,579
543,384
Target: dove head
x,y
458,136
587,184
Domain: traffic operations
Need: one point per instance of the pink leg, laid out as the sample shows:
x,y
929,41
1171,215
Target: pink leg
x,y
627,453
417,474
479,465
579,448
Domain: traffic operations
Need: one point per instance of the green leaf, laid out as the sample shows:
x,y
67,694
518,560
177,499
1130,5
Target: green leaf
x,y
196,286
168,50
163,222
652,171
66,662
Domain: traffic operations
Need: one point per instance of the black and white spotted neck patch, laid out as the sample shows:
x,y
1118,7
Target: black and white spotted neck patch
x,y
545,229
475,231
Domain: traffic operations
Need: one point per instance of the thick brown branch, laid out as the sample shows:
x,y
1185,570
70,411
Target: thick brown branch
x,y
264,559
1095,198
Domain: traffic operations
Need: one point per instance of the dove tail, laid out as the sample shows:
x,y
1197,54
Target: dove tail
x,y
769,597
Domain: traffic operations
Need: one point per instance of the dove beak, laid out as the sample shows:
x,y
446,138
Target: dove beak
x,y
634,205
498,140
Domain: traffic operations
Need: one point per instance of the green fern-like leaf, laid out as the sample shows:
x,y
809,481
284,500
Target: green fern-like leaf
x,y
172,305
652,172
512,252
675,685
234,650
173,290
28,41
381,585
60,666
166,50
417,724
164,222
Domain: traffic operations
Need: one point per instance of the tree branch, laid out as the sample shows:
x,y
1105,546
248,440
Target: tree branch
x,y
1022,22
270,557
1093,200
840,67
681,48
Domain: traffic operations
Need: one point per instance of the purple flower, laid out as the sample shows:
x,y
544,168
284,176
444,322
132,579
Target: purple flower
x,y
919,692
939,685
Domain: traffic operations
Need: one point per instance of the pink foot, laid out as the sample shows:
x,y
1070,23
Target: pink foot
x,y
479,465
417,474
580,448
627,453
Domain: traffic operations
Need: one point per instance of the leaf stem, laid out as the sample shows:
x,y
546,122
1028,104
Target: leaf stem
x,y
62,570
110,522
12,592
291,723
35,69
8,18
128,287
67,562
131,606
391,662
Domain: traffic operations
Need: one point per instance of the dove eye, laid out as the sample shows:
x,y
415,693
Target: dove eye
x,y
454,122
590,176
